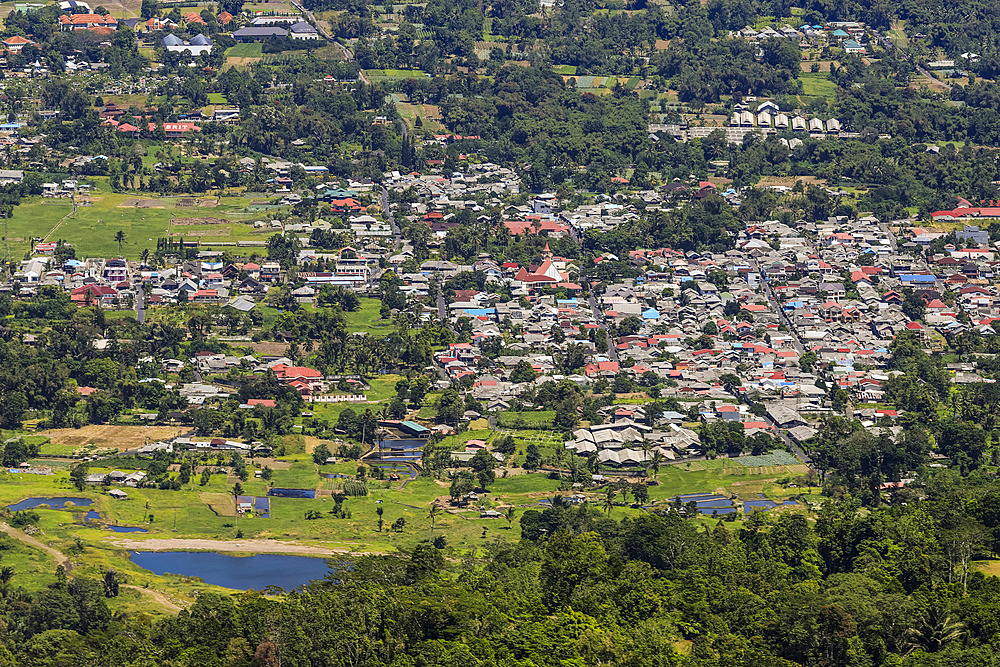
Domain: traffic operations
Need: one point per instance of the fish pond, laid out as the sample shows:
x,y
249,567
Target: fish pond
x,y
58,503
237,572
713,504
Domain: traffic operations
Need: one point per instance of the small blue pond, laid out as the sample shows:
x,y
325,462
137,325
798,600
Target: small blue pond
x,y
54,503
292,493
126,529
710,503
762,505
92,516
257,572
334,475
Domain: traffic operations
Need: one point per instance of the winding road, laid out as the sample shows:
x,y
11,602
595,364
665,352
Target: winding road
x,y
330,38
63,559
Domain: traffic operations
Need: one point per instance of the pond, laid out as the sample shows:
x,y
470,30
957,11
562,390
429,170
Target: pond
x,y
241,573
58,503
292,493
92,516
762,505
126,529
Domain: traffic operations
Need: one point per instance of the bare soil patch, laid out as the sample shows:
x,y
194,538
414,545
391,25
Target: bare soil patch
x,y
198,221
122,437
204,232
231,546
268,348
140,203
824,65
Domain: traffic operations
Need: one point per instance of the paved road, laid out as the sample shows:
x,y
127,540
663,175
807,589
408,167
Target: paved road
x,y
140,305
442,309
599,318
330,38
889,46
397,235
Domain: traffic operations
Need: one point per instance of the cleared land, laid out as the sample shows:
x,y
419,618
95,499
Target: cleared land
x,y
228,546
108,436
818,85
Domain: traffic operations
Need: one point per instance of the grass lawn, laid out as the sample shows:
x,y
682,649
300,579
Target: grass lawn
x,y
217,98
534,419
379,74
818,85
245,50
92,228
367,319
569,70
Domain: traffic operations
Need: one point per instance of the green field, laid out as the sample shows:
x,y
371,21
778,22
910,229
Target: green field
x,y
367,319
818,85
567,70
394,73
536,419
91,229
245,50
206,512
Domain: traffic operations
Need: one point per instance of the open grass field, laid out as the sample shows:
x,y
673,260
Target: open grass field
x,y
91,229
206,512
376,74
535,419
429,114
245,50
818,85
367,319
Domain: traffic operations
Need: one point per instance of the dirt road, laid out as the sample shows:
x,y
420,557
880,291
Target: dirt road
x,y
247,546
60,557
63,560
158,596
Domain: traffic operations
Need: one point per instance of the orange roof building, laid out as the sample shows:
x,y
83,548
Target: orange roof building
x,y
86,21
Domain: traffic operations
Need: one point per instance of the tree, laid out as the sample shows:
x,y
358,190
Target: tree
x,y
78,476
914,306
460,486
483,463
641,493
111,584
433,513
397,525
450,407
509,514
532,458
505,445
119,239
807,360
321,453
523,372
933,630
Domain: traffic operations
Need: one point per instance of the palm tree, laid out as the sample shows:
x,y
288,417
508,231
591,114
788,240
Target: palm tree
x,y
144,256
120,239
6,574
933,630
433,513
656,462
609,499
509,515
